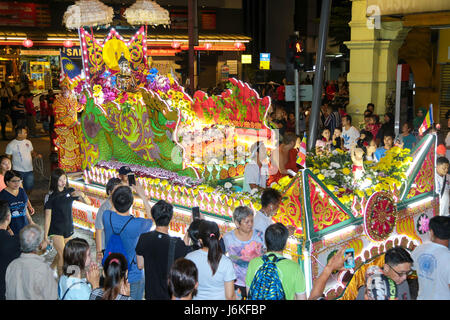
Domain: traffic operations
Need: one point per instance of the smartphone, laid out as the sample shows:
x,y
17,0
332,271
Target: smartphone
x,y
131,180
196,213
349,256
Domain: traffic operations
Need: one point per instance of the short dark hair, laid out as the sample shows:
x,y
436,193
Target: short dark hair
x,y
122,199
11,174
110,185
389,133
19,129
441,227
4,210
396,256
269,196
193,233
162,213
289,137
183,276
75,254
370,104
442,160
348,117
276,237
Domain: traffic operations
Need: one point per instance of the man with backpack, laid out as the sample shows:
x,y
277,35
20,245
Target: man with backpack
x,y
273,277
122,231
156,251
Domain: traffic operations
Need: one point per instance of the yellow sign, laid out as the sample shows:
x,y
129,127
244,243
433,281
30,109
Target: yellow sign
x,y
387,7
246,59
264,65
444,46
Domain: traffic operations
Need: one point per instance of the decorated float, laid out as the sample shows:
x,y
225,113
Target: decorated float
x,y
192,151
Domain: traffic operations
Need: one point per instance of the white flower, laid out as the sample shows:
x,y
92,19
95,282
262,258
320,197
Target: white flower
x,y
228,185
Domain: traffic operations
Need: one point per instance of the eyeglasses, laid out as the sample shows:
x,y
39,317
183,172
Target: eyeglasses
x,y
401,274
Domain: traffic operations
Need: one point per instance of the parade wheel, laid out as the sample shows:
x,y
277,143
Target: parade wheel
x,y
379,216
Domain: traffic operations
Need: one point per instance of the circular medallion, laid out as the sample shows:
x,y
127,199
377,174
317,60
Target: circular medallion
x,y
379,216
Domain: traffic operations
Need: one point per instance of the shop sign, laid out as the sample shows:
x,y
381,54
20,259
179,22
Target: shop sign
x,y
233,66
246,59
224,72
389,7
72,52
39,52
264,61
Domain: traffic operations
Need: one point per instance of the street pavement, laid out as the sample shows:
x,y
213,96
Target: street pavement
x,y
41,144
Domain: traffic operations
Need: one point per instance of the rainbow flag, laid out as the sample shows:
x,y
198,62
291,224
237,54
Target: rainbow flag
x,y
427,122
301,156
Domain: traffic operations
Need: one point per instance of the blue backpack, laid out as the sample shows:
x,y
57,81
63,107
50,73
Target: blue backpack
x,y
115,244
266,284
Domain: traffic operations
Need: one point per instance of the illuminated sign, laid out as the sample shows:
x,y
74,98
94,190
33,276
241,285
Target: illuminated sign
x,y
264,61
246,59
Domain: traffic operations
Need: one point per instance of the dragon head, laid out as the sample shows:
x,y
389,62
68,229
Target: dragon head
x,y
94,119
166,116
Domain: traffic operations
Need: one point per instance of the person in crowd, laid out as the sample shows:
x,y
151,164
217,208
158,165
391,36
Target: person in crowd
x,y
44,113
290,125
216,272
323,113
331,90
183,280
58,222
432,261
447,138
111,185
6,96
80,276
29,277
280,119
336,141
388,144
30,114
349,133
370,107
10,245
17,200
18,111
6,165
289,272
256,171
22,153
323,145
242,245
120,221
418,119
281,91
367,120
156,251
192,231
124,171
335,263
370,151
386,127
270,202
373,125
333,119
116,285
282,163
397,267
51,97
406,137
443,185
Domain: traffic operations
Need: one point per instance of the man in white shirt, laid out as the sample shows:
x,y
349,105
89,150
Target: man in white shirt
x,y
349,133
22,153
432,262
442,185
257,170
270,202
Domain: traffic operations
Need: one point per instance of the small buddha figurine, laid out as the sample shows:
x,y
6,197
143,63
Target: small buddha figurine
x,y
125,80
357,155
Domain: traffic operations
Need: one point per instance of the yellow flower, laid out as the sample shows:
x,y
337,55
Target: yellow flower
x,y
257,206
359,193
164,182
316,171
284,181
369,192
346,171
321,177
330,187
341,189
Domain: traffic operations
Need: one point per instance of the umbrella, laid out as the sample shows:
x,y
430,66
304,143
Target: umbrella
x,y
87,13
147,12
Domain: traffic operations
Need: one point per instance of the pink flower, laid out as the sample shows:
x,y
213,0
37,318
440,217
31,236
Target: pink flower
x,y
124,98
83,99
424,224
251,251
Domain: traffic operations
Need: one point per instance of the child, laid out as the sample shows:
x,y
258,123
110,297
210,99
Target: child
x,y
324,144
290,126
337,142
373,125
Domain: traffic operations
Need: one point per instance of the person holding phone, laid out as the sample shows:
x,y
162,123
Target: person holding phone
x,y
124,173
58,215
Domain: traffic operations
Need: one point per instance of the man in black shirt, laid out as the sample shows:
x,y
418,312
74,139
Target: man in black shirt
x,y
156,251
9,245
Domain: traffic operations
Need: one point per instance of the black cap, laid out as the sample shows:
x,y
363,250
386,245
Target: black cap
x,y
124,170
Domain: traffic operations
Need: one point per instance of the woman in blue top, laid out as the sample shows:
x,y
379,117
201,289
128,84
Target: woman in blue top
x,y
80,276
17,200
406,137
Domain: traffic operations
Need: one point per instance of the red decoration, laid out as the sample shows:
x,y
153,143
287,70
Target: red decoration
x,y
27,43
379,217
176,44
68,43
208,46
238,45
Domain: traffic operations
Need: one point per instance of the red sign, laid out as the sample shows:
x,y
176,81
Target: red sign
x,y
24,15
208,19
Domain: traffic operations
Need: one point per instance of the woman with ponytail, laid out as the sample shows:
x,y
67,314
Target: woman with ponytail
x,y
215,271
116,286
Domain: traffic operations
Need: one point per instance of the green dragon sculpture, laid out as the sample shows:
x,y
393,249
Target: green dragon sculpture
x,y
98,131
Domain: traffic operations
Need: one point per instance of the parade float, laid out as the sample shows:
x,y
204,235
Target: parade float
x,y
192,151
